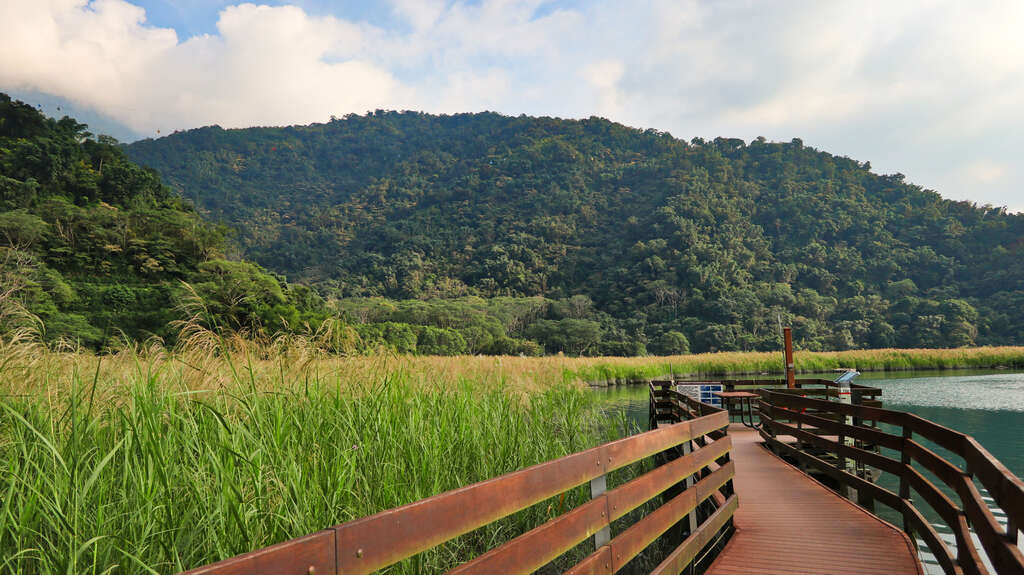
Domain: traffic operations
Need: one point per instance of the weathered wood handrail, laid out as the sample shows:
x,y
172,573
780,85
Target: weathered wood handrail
x,y
781,409
372,543
806,387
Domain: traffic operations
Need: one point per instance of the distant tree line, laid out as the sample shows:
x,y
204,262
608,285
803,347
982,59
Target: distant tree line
x,y
95,249
483,234
706,245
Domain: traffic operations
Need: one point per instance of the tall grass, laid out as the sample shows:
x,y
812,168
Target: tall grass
x,y
153,460
149,462
740,363
212,363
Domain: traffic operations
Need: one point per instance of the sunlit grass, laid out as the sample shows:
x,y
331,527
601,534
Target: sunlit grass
x,y
151,462
749,363
32,369
156,460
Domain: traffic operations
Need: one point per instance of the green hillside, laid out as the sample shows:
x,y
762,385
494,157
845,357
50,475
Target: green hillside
x,y
95,249
714,240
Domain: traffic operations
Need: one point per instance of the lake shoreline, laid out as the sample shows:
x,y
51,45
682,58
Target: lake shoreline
x,y
782,374
634,371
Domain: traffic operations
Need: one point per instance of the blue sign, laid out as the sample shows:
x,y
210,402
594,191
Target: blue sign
x,y
703,392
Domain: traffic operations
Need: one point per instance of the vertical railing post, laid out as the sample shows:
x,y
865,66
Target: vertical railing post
x,y
864,499
665,387
767,420
692,517
652,408
849,465
598,486
787,335
963,556
844,489
908,434
963,543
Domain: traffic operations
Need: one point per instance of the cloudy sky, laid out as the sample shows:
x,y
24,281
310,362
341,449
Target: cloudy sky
x,y
934,90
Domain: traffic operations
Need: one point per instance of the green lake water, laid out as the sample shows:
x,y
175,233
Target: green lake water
x,y
986,405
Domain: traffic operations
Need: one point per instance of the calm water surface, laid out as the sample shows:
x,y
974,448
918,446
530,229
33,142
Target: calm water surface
x,y
988,406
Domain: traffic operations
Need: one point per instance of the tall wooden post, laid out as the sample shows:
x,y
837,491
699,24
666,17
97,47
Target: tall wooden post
x,y
787,335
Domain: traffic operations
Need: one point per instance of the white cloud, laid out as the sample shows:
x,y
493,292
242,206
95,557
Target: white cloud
x,y
922,88
264,66
420,14
985,171
604,76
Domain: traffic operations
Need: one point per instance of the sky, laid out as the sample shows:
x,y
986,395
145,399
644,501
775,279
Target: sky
x,y
932,90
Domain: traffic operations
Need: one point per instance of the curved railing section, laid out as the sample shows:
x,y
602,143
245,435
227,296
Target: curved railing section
x,y
827,435
690,479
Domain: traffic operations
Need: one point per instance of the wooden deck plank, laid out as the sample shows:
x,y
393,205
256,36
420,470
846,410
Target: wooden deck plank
x,y
788,523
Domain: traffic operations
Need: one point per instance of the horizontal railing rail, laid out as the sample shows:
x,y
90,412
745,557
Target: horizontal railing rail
x,y
808,387
688,479
820,427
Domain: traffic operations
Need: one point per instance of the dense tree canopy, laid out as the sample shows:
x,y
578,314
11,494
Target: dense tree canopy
x,y
632,240
480,233
97,248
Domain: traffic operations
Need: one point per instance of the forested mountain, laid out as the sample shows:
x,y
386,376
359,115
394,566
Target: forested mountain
x,y
97,248
658,238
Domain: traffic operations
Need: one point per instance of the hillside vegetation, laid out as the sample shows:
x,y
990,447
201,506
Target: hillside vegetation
x,y
95,249
603,239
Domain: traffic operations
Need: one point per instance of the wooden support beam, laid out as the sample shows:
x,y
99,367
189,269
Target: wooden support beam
x,y
787,334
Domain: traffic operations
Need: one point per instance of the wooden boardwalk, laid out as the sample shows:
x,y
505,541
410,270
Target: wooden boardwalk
x,y
787,524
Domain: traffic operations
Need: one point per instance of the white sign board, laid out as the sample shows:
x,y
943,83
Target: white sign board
x,y
703,392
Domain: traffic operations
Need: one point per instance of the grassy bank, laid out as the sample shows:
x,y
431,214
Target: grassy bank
x,y
150,462
155,460
27,369
745,363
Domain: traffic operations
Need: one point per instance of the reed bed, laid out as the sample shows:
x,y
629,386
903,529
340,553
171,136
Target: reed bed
x,y
606,369
32,369
149,460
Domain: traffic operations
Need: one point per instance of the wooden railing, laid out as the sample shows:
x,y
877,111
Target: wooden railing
x,y
810,387
819,432
668,404
688,481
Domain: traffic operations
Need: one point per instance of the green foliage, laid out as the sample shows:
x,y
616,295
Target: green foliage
x,y
439,341
19,228
487,234
505,345
97,248
399,337
571,336
239,293
640,232
130,475
670,343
